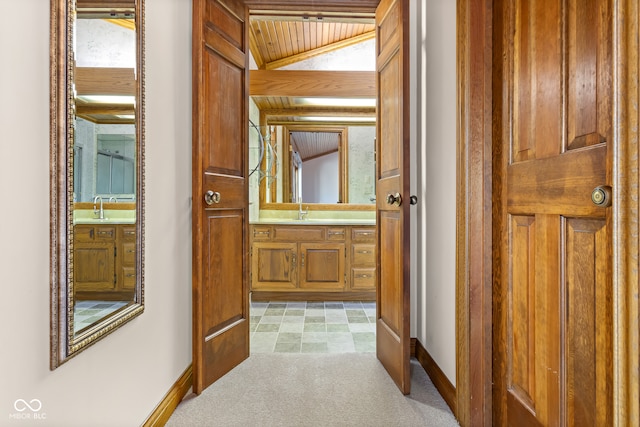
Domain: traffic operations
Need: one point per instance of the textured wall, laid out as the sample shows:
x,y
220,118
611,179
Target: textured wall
x,y
362,164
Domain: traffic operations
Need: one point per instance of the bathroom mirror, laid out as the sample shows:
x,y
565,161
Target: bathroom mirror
x,y
322,164
97,170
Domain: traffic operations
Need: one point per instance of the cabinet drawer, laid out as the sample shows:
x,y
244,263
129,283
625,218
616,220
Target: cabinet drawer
x,y
128,278
128,233
299,234
336,233
363,254
83,233
129,253
363,278
261,232
105,233
360,234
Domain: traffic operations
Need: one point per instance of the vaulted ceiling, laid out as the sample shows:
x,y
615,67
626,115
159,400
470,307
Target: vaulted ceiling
x,y
284,97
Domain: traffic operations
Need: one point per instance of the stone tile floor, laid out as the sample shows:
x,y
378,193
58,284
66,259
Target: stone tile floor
x,y
313,327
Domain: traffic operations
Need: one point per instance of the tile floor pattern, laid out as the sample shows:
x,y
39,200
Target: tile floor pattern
x,y
313,327
86,313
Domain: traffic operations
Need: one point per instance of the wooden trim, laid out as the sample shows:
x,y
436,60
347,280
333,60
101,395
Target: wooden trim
x,y
273,65
312,296
308,83
171,400
350,7
438,378
474,258
626,217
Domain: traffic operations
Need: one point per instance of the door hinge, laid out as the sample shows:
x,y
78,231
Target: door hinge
x,y
115,251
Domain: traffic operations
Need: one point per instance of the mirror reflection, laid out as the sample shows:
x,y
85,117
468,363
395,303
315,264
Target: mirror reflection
x,y
104,164
97,145
318,164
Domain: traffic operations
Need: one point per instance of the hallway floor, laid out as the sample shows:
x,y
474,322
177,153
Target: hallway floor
x,y
313,327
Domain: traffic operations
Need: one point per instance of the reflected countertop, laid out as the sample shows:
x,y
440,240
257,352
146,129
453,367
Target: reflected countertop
x,y
111,216
312,221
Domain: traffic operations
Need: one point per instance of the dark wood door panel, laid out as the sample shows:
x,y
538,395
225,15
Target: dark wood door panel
x,y
220,226
392,147
553,343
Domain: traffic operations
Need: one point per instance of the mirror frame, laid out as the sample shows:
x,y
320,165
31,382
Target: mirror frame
x,y
63,344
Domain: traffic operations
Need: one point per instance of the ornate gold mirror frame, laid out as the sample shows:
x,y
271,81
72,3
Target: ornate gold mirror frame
x,y
67,336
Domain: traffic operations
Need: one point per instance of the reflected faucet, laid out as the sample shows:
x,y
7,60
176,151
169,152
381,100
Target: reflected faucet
x,y
301,213
115,199
95,209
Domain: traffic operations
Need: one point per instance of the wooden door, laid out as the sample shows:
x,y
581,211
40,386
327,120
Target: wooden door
x,y
220,189
553,353
392,195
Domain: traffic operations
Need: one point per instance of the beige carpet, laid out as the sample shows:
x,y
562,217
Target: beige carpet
x,y
350,389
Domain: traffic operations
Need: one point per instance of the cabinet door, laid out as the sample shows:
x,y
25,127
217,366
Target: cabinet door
x,y
94,266
273,266
322,266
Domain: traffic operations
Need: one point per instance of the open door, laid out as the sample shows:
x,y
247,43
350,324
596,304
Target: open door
x,y
220,189
392,195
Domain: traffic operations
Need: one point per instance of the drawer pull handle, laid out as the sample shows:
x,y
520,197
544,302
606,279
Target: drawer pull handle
x,y
363,276
366,233
302,261
256,233
129,233
105,233
339,233
131,275
293,261
130,251
364,252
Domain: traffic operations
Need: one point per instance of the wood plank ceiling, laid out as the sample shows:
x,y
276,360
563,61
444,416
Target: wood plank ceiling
x,y
278,40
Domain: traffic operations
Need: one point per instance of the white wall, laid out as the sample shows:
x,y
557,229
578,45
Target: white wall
x,y
436,181
119,380
320,179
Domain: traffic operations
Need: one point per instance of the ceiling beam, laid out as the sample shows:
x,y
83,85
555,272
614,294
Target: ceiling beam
x,y
105,81
319,51
322,112
311,83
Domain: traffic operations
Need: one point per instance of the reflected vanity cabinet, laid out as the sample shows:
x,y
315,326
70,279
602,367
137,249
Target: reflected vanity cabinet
x,y
309,262
105,261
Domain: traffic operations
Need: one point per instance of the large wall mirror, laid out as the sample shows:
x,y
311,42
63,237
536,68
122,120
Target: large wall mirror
x,y
321,164
97,170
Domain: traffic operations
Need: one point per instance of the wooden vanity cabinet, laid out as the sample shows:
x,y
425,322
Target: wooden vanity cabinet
x,y
94,259
104,262
312,262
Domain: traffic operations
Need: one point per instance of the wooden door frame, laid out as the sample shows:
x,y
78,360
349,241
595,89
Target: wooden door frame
x,y
477,182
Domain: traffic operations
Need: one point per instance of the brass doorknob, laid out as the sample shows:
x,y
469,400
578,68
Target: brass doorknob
x,y
211,197
394,199
601,196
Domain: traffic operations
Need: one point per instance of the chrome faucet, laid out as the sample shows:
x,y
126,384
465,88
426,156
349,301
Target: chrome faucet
x,y
301,213
95,209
